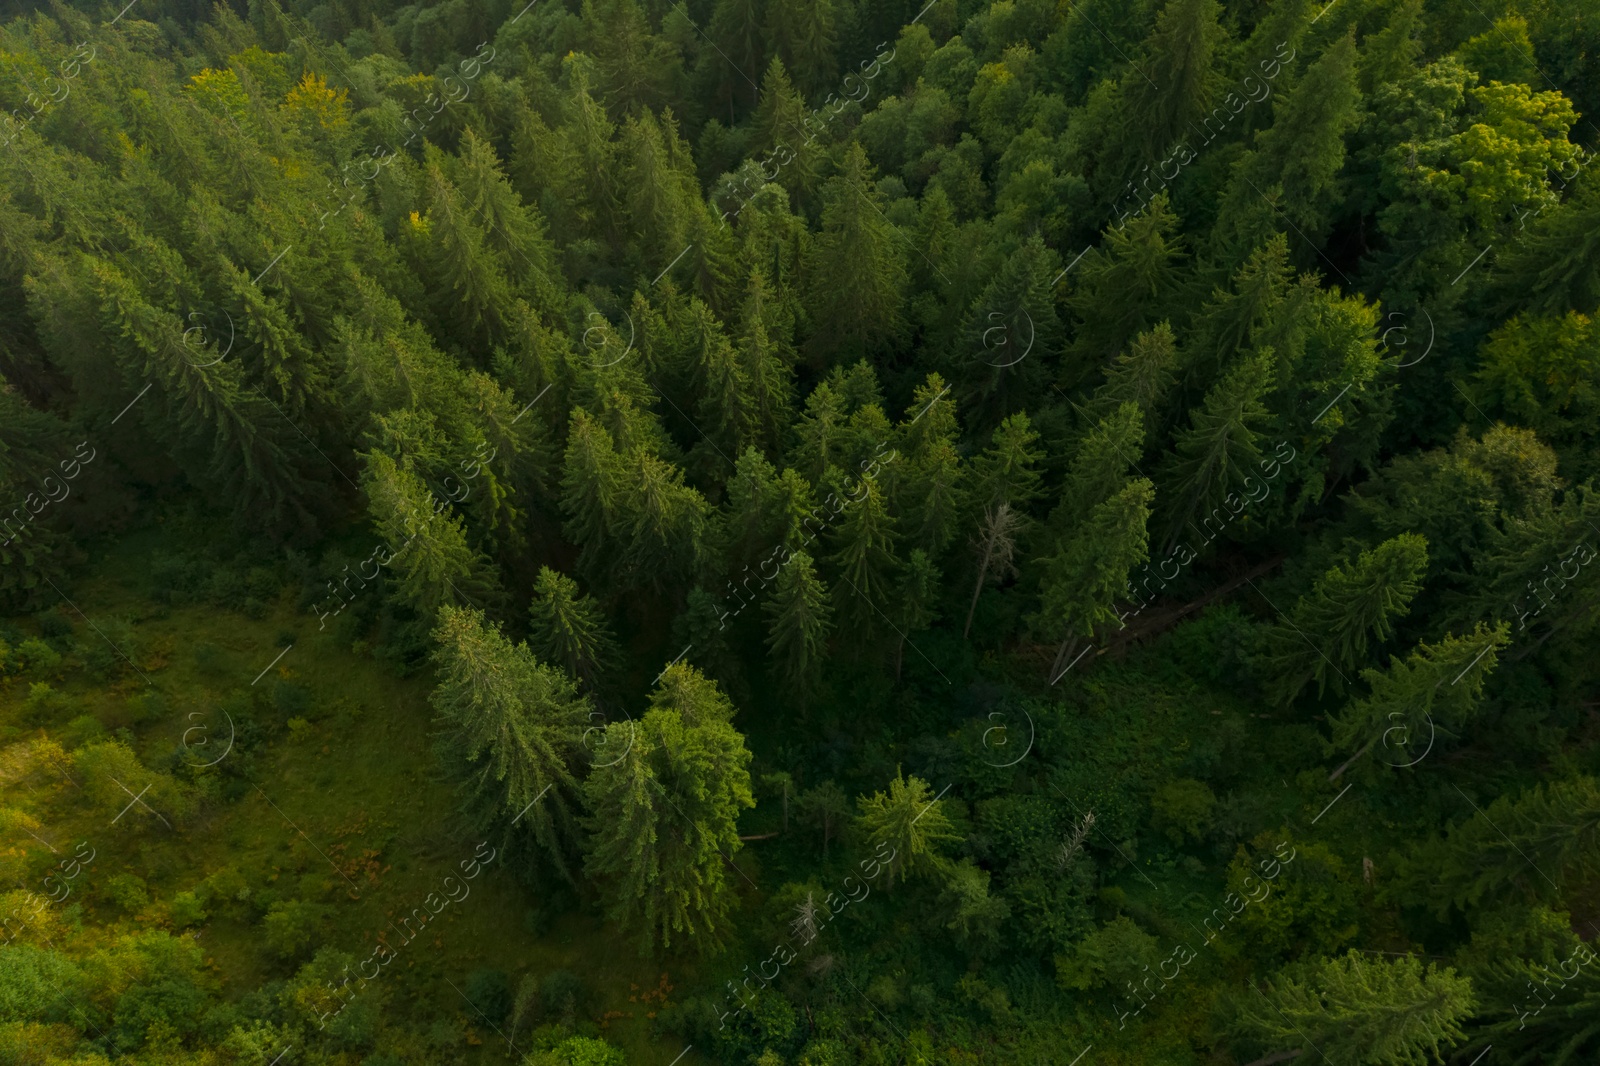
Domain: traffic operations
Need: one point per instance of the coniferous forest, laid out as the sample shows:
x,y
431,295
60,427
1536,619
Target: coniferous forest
x,y
799,532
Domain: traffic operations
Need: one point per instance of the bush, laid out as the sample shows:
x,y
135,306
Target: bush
x,y
113,651
81,730
562,992
1183,809
128,891
185,910
1114,953
578,1051
38,658
146,706
53,624
291,926
489,991
290,699
111,772
44,702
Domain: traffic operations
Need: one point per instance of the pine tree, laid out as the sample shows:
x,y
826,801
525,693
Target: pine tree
x,y
515,726
856,268
910,821
568,628
1358,1010
1084,578
1350,605
801,620
663,817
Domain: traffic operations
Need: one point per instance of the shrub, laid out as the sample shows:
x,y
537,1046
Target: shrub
x,y
53,624
38,658
112,774
185,910
291,925
1183,808
489,992
562,992
127,891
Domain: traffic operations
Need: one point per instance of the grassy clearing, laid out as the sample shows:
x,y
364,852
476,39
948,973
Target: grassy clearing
x,y
330,794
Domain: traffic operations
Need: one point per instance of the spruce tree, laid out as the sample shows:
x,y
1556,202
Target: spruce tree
x,y
916,603
1329,629
428,548
1296,161
909,821
1124,287
591,488
864,539
568,628
515,726
1086,575
800,621
1358,1010
803,35
1007,472
857,268
1437,687
996,547
1218,451
1098,469
1007,335
1543,843
663,817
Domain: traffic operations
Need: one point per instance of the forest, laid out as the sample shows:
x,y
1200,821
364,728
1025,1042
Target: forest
x,y
799,532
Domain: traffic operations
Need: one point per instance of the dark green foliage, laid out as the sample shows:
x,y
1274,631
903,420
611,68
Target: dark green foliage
x,y
1197,350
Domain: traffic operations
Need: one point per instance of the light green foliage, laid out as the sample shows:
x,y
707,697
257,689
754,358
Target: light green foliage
x,y
1359,1009
910,820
